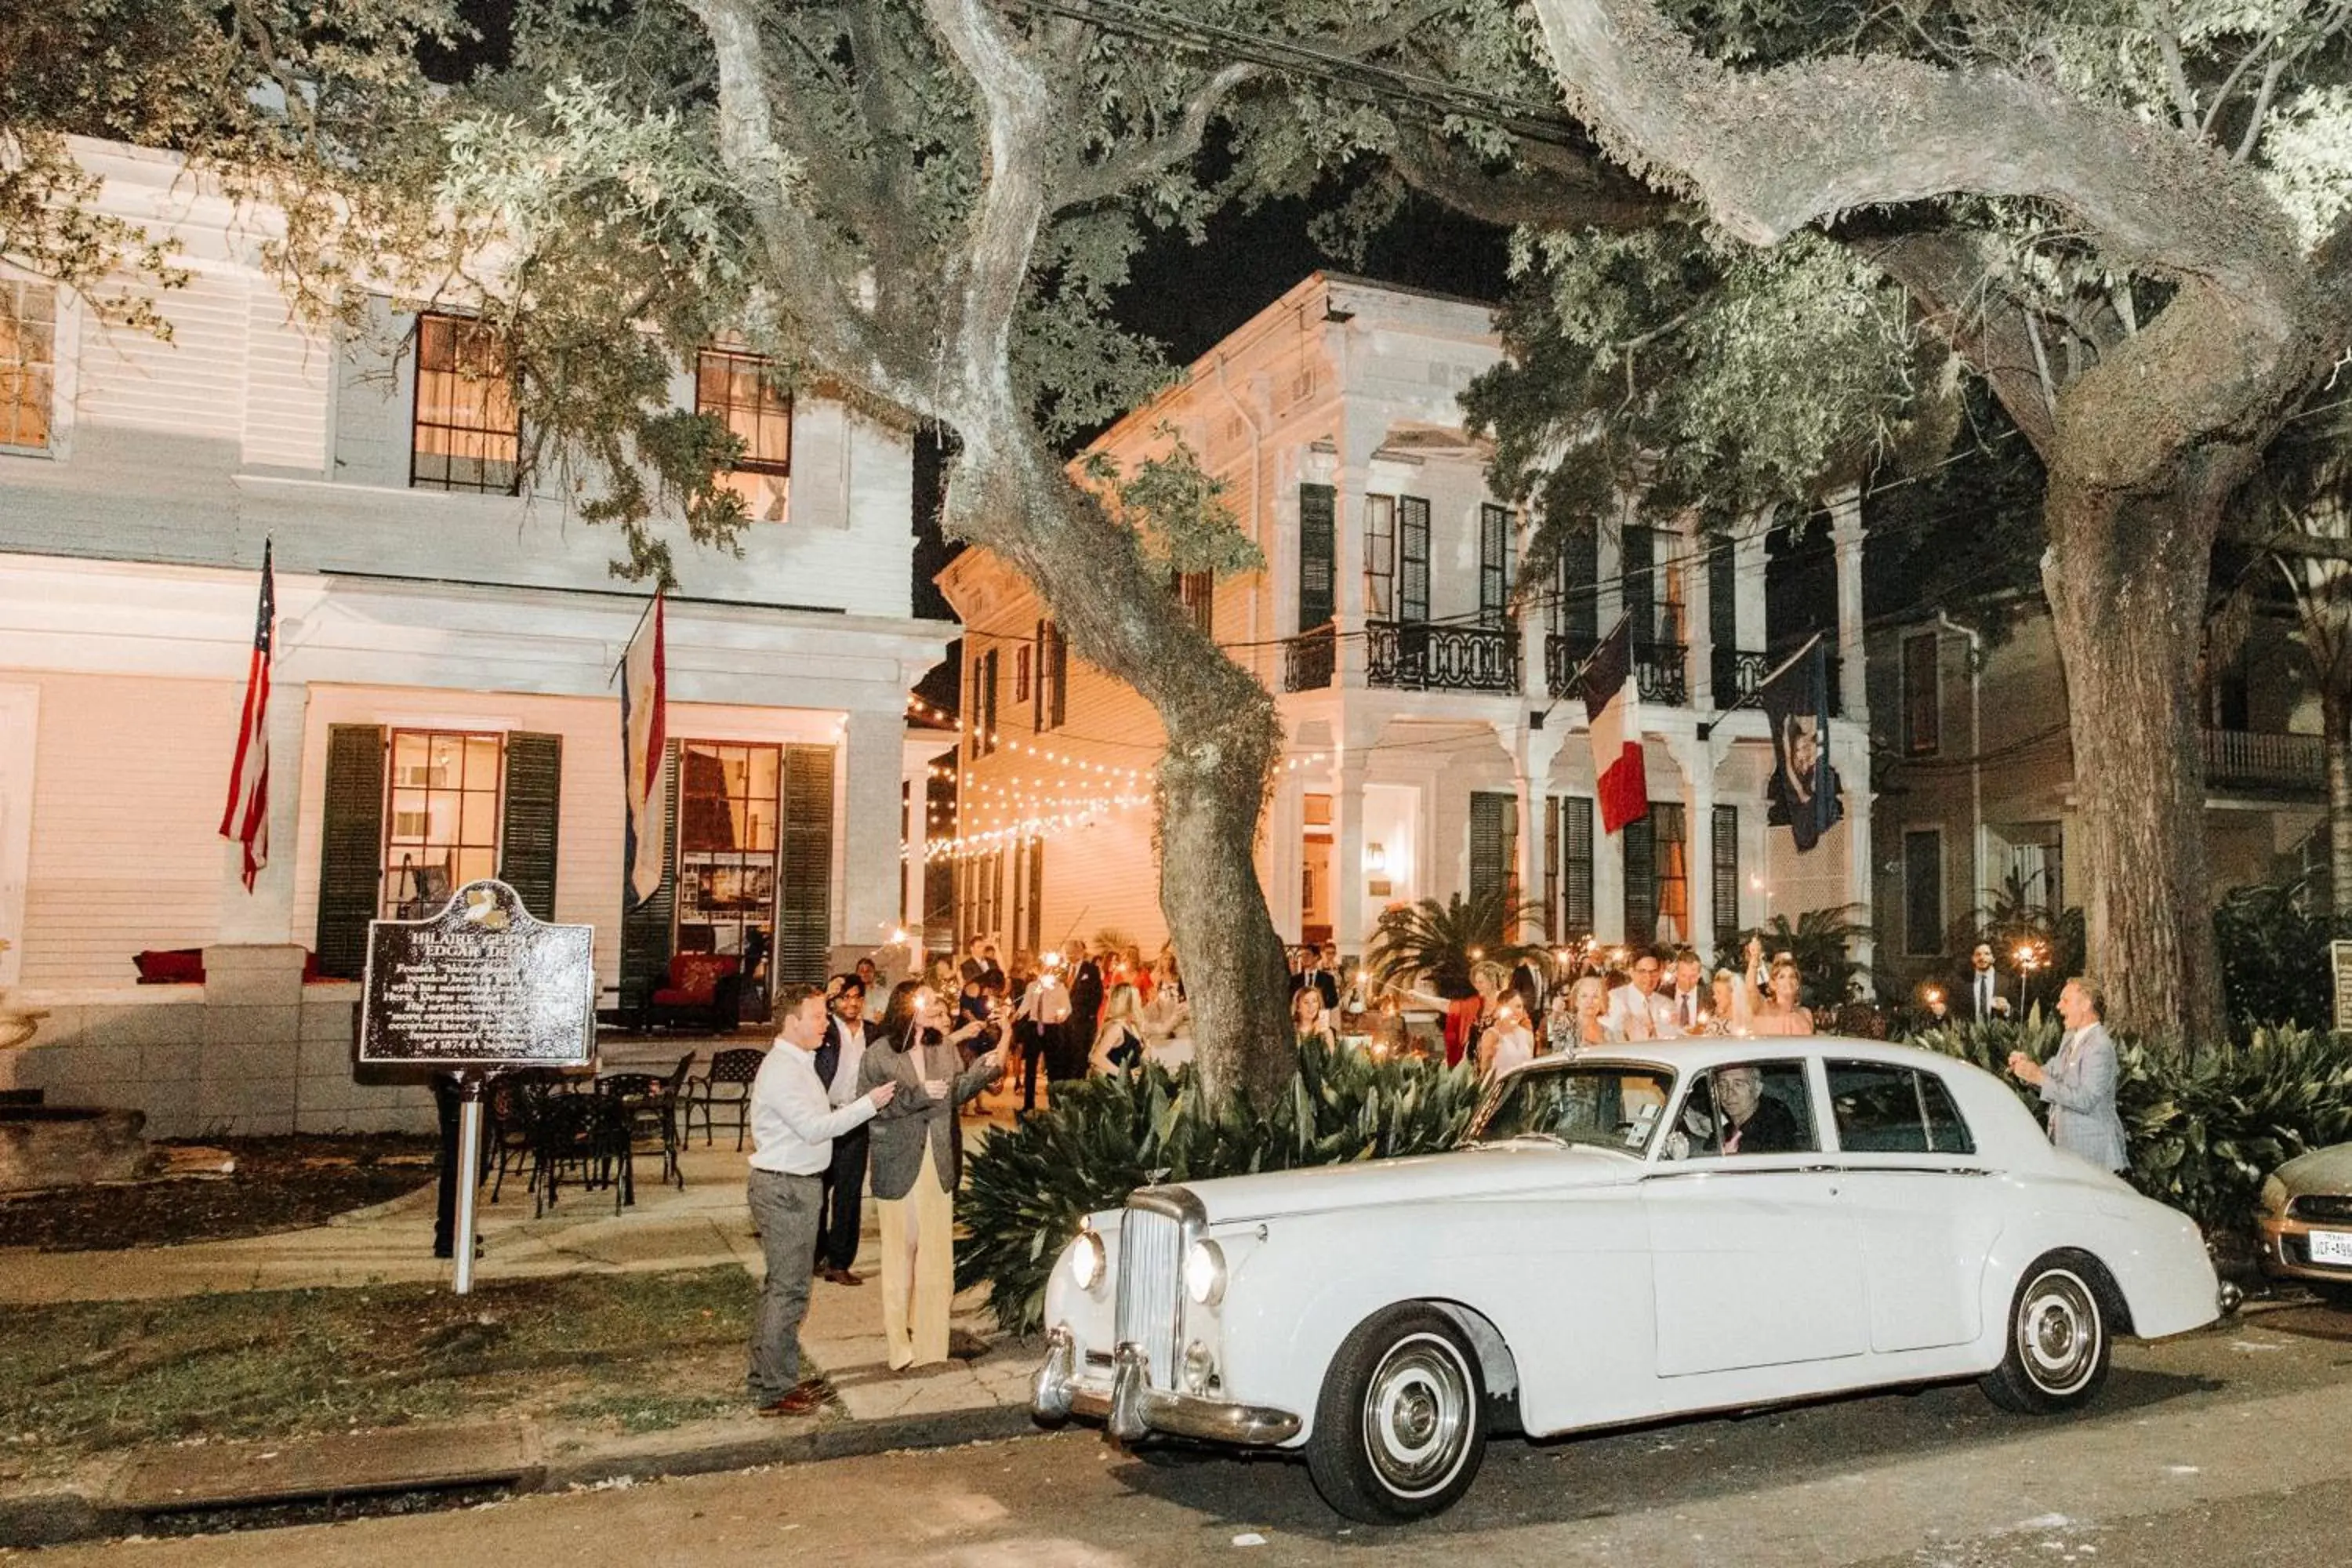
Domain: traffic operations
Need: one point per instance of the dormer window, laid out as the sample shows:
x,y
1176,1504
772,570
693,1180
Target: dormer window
x,y
469,433
28,336
740,391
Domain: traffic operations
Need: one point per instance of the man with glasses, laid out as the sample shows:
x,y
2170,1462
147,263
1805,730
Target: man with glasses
x,y
1636,1009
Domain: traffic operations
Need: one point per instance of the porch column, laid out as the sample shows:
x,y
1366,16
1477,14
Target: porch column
x,y
1348,848
1608,881
1285,830
1697,760
266,915
1699,624
873,749
1748,564
1846,537
914,786
1348,567
1850,755
1532,750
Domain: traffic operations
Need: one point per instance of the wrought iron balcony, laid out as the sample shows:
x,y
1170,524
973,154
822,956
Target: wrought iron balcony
x,y
1661,669
1739,672
1417,655
1309,658
2240,759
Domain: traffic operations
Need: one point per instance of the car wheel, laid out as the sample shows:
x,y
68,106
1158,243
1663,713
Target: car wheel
x,y
2058,1340
1400,1426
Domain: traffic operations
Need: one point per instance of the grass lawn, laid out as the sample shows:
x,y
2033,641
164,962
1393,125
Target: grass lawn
x,y
629,1352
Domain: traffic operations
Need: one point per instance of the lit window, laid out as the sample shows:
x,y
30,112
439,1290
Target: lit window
x,y
28,335
740,391
468,435
441,828
729,798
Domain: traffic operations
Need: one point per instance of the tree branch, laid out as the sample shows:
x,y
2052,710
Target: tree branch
x,y
1552,188
1114,176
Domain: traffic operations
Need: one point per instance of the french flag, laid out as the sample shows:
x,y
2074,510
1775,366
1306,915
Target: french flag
x,y
1612,713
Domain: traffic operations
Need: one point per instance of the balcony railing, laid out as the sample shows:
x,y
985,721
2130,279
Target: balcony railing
x,y
1739,672
2243,760
1660,668
1309,658
1416,656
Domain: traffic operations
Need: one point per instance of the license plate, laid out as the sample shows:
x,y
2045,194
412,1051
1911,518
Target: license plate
x,y
2331,1246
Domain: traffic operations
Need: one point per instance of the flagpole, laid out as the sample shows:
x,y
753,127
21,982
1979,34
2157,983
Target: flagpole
x,y
632,638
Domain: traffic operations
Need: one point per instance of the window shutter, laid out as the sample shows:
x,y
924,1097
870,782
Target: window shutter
x,y
1490,836
1495,547
1576,611
1412,558
1317,555
1640,847
1576,864
1727,880
351,849
804,893
1638,576
646,930
1036,892
527,829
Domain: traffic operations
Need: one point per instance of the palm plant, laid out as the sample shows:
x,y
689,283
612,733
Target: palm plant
x,y
1438,945
1821,942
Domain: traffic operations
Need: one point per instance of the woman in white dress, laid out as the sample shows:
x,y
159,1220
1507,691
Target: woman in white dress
x,y
1507,1043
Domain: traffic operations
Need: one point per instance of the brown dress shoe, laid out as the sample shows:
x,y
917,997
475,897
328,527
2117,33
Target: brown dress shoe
x,y
805,1399
842,1276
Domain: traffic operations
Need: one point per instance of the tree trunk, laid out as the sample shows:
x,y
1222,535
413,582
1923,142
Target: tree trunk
x,y
2125,577
1012,495
2335,737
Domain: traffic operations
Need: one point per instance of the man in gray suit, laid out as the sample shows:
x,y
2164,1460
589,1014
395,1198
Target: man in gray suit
x,y
2078,1082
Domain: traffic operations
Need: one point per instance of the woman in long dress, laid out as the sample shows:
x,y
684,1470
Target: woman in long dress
x,y
916,1159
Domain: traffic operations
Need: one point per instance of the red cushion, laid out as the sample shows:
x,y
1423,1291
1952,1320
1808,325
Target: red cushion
x,y
171,966
694,979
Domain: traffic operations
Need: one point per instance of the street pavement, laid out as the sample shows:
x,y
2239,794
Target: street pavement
x,y
2224,1447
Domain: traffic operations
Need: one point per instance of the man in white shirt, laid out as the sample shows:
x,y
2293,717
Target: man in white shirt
x,y
793,1124
837,1060
1636,1011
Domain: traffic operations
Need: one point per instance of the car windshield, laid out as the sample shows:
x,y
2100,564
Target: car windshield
x,y
1612,1106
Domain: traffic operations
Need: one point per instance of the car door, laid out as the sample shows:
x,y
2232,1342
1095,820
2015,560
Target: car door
x,y
1753,1261
1925,1207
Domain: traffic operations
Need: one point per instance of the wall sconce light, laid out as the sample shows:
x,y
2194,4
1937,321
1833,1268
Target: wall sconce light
x,y
1376,860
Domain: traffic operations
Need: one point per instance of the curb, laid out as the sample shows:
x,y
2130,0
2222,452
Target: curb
x,y
54,1519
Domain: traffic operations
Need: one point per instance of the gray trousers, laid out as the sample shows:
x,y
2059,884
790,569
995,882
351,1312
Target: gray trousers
x,y
786,1210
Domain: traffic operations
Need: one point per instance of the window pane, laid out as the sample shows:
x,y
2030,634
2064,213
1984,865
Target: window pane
x,y
479,818
467,436
442,827
1751,1108
1948,1130
1878,1108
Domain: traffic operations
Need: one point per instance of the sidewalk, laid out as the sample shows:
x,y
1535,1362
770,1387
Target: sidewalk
x,y
707,1224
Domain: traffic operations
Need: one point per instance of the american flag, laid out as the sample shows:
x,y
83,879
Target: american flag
x,y
245,817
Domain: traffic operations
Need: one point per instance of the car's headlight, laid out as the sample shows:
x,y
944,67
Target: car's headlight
x,y
1089,1262
2273,1195
1204,1273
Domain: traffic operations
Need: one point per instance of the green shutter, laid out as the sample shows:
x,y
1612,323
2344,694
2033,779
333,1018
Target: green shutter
x,y
1317,555
526,831
1726,882
1640,841
1412,558
1491,841
1575,856
646,929
804,877
351,849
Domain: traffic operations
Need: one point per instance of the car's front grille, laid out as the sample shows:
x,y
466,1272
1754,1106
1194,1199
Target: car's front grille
x,y
1150,1258
2323,1206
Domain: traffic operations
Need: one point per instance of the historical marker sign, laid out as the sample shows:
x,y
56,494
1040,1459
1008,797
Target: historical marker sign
x,y
2340,968
481,986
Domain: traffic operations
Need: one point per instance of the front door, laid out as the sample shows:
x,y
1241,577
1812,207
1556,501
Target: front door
x,y
1754,1259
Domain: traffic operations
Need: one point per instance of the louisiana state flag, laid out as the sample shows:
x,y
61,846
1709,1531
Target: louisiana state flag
x,y
1612,713
644,740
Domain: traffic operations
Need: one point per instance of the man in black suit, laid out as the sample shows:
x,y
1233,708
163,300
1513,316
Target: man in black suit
x,y
1752,1123
1322,972
1085,981
837,1061
1977,999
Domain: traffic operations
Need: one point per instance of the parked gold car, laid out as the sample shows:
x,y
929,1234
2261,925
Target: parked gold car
x,y
2307,1223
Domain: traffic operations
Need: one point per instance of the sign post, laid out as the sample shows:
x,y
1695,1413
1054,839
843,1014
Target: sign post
x,y
480,988
2339,970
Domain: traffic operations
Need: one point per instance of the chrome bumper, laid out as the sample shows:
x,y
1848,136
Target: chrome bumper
x,y
1130,1408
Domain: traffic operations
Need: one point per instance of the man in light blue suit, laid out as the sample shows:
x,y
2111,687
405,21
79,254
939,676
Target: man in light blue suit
x,y
2078,1082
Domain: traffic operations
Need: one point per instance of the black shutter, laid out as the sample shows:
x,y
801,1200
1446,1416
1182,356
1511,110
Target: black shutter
x,y
1317,555
1722,599
351,849
1727,881
1412,558
646,928
527,834
1491,841
1641,847
1576,864
1577,612
1638,576
804,892
1493,563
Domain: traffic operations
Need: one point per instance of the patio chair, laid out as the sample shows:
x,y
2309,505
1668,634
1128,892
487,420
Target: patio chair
x,y
724,1087
646,1106
584,1133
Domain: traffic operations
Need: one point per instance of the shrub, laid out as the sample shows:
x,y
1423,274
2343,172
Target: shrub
x,y
2275,956
2203,1127
1105,1137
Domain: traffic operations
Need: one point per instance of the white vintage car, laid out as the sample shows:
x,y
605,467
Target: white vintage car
x,y
1634,1233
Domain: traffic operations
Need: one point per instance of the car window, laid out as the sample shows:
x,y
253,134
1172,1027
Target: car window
x,y
1609,1106
1747,1108
1884,1110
